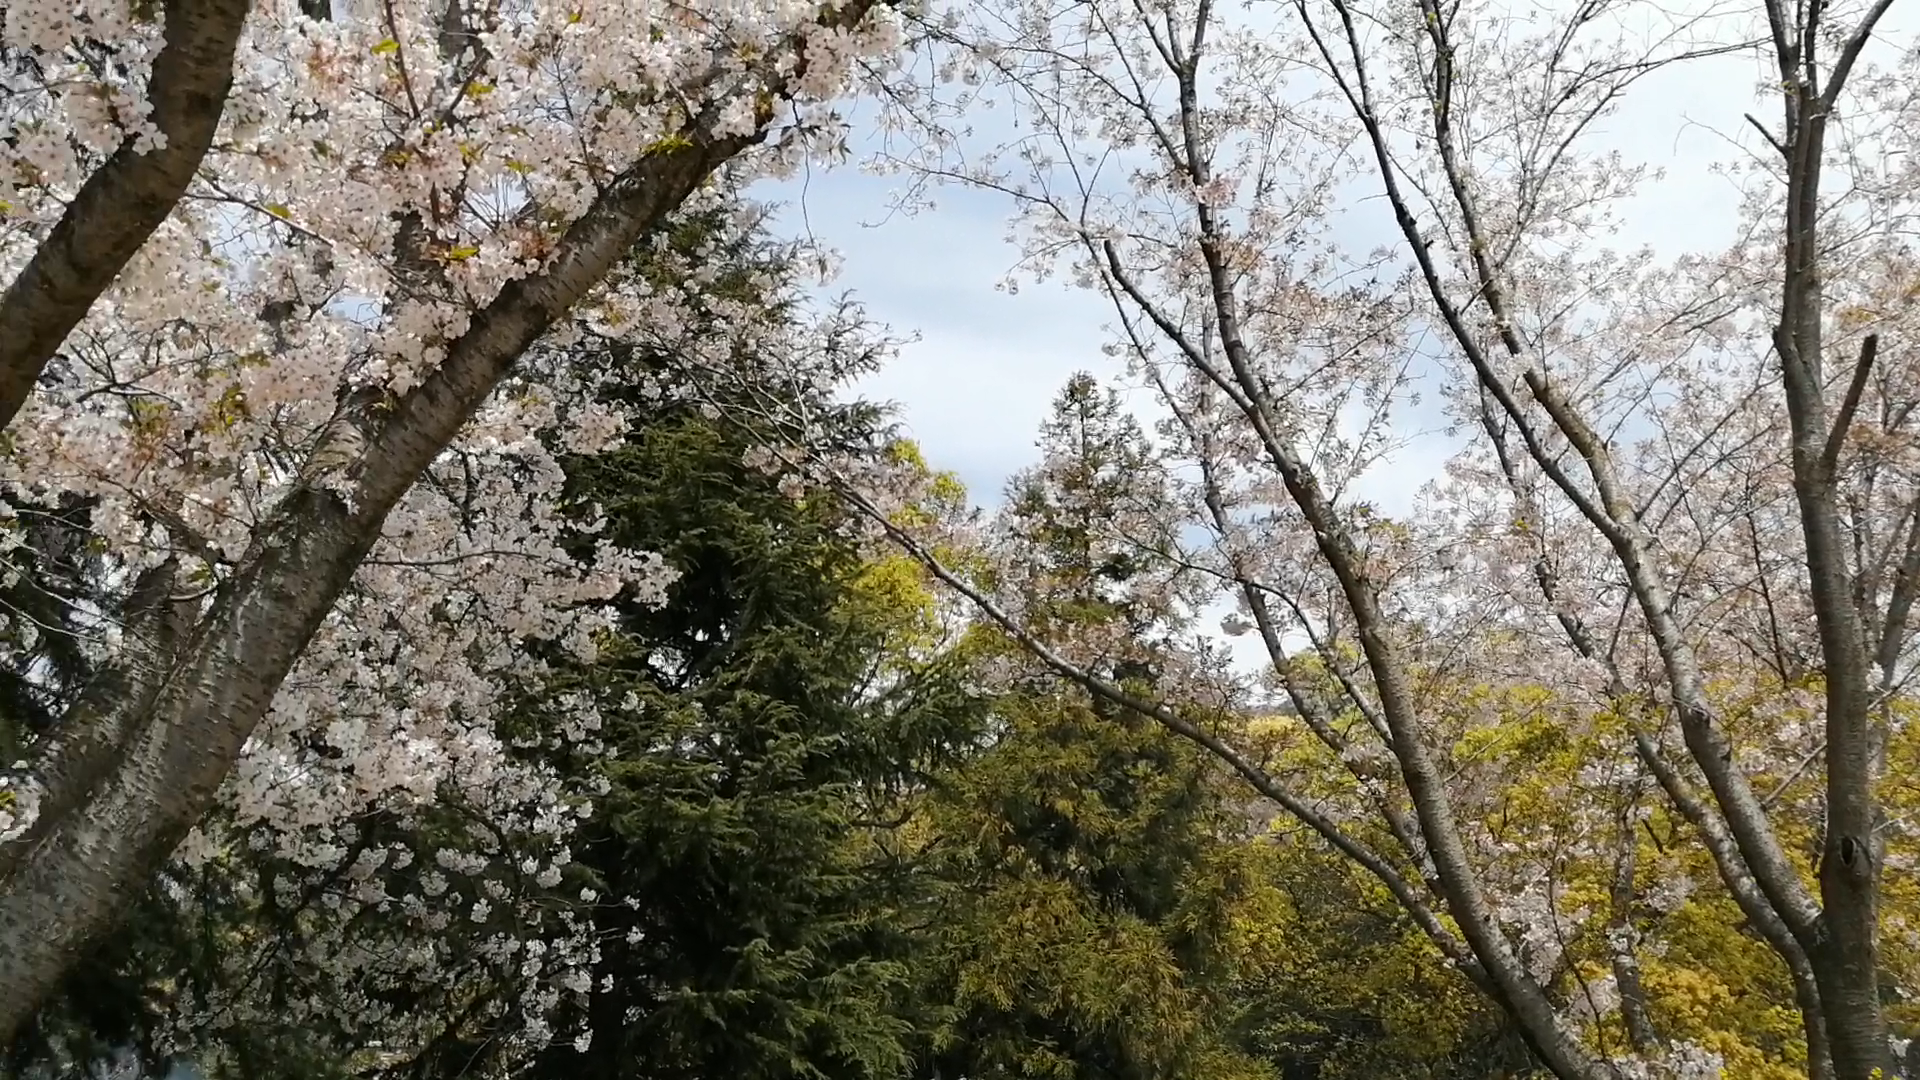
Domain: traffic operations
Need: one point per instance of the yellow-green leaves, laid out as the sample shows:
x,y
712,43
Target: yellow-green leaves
x,y
668,144
228,410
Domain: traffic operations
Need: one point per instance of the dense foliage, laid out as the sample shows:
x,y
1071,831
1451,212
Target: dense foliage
x,y
814,837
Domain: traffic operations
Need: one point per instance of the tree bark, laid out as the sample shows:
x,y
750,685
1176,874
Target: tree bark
x,y
121,204
1843,944
1642,1035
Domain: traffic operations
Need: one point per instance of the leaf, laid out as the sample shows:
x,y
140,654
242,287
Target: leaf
x,y
675,141
229,410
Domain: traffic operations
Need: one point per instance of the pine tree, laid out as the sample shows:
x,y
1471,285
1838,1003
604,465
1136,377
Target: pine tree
x,y
742,912
759,742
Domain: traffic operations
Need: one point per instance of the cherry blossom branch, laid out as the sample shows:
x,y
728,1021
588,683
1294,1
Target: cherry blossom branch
x,y
1611,514
153,755
1702,815
1900,601
1432,806
1642,1035
1747,895
1402,828
1843,420
126,199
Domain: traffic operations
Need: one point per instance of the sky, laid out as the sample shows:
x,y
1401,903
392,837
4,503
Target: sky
x,y
977,379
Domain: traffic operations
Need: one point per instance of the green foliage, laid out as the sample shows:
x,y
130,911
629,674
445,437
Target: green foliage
x,y
819,849
1087,872
743,906
1087,900
1338,985
1099,481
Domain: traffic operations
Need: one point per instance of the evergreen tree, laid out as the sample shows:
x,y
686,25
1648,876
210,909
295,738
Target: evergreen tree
x,y
760,736
743,908
1090,882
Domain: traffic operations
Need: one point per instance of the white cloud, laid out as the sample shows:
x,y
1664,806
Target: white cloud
x,y
976,383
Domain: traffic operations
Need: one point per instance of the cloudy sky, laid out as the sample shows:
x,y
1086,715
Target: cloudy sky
x,y
983,365
974,385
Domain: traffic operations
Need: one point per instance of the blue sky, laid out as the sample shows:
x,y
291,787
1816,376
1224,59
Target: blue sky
x,y
976,381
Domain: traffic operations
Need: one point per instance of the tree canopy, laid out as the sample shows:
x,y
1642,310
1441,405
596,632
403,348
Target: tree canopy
x,y
461,615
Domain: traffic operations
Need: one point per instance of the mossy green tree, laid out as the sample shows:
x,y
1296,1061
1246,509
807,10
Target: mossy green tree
x,y
1088,870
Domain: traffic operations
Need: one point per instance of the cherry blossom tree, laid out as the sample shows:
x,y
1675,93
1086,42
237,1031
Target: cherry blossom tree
x,y
296,463
1682,514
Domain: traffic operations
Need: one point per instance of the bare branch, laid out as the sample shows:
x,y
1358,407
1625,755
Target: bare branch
x,y
1843,420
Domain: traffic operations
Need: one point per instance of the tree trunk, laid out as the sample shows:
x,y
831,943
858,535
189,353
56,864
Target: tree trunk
x,y
1843,944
